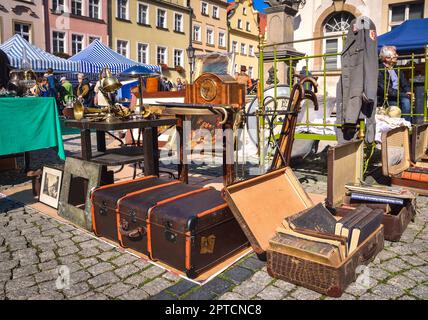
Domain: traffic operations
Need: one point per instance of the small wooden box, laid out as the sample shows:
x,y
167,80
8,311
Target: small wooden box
x,y
396,159
345,166
260,204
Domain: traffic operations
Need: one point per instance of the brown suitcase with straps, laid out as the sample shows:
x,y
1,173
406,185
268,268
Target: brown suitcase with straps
x,y
132,210
104,203
194,231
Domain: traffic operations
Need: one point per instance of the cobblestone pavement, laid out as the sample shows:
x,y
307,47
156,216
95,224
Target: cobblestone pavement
x,y
33,247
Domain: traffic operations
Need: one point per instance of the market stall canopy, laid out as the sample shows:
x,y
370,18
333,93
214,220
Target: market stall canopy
x,y
16,46
97,55
410,36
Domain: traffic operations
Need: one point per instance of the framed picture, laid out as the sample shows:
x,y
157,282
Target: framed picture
x,y
50,186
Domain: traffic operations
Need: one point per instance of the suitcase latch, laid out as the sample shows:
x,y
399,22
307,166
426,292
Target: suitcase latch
x,y
133,216
103,209
170,236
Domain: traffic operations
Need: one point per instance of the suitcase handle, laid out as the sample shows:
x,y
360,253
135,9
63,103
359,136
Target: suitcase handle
x,y
133,234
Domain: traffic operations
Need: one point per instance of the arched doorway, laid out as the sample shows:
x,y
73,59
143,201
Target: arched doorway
x,y
335,25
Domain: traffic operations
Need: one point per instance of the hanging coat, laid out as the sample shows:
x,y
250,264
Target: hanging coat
x,y
357,87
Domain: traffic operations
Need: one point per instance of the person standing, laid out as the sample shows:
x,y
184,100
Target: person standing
x,y
65,91
82,90
244,78
179,85
390,85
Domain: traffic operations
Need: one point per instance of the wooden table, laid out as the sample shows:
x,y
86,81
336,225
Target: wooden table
x,y
148,153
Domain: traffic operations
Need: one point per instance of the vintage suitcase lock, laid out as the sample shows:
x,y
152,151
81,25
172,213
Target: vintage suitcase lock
x,y
169,235
103,209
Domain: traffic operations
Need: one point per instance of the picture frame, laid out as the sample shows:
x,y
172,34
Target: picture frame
x,y
86,176
50,188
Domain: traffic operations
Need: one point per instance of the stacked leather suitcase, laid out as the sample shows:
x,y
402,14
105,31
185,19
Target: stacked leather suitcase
x,y
189,228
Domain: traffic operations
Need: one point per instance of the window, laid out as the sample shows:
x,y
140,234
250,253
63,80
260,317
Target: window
x,y
178,57
244,11
122,9
210,36
178,22
221,40
24,30
400,13
58,6
143,14
235,68
143,53
216,13
251,50
161,21
161,55
204,8
243,48
234,46
122,47
94,9
58,41
239,24
248,26
76,43
250,72
197,33
335,25
76,7
92,39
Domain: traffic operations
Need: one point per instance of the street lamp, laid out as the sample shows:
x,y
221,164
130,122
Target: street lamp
x,y
191,56
190,50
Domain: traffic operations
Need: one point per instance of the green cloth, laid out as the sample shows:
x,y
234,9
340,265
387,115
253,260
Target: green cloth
x,y
28,124
66,91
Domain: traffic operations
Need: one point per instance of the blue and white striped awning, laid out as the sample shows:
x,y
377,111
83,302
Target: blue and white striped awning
x,y
97,55
40,60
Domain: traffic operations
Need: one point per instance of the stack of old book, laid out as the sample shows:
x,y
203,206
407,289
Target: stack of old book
x,y
316,235
382,197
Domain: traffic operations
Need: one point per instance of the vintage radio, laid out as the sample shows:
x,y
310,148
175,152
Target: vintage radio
x,y
262,203
217,89
345,166
419,146
397,164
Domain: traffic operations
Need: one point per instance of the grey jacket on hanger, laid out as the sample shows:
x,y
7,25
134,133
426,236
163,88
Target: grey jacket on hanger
x,y
356,93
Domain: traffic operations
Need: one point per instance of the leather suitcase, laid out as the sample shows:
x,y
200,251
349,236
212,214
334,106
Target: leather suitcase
x,y
193,232
396,160
132,210
104,202
345,166
260,204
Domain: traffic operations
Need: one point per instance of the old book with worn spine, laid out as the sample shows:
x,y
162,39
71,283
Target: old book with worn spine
x,y
316,218
365,227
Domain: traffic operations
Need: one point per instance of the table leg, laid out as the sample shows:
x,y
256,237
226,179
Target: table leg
x,y
183,169
151,152
101,141
85,136
26,161
228,148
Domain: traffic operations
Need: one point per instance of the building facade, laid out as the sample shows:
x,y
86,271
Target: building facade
x,y
152,32
244,35
24,17
73,24
319,18
209,25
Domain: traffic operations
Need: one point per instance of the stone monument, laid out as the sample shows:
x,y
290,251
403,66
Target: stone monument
x,y
280,29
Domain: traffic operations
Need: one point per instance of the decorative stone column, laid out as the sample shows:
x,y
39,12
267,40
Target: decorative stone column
x,y
280,28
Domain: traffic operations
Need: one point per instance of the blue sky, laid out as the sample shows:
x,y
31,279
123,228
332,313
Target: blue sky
x,y
259,4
